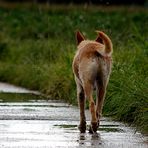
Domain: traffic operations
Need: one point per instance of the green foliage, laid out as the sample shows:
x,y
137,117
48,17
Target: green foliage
x,y
19,97
37,46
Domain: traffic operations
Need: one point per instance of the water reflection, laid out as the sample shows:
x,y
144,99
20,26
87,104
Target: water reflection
x,y
92,140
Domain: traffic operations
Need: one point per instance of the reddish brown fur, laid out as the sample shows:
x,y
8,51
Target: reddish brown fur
x,y
92,67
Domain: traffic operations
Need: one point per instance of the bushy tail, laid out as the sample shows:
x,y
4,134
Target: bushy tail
x,y
107,42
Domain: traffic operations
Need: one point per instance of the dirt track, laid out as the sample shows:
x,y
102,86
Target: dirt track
x,y
43,124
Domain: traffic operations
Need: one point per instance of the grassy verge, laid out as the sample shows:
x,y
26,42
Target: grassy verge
x,y
19,97
37,46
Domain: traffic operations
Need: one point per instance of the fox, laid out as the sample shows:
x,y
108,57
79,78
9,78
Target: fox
x,y
91,67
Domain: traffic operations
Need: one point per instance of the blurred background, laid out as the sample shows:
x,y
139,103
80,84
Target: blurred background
x,y
104,2
37,45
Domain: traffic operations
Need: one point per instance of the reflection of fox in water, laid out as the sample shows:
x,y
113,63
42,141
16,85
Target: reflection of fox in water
x,y
92,68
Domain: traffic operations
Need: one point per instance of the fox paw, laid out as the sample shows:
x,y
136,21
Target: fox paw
x,y
82,127
93,127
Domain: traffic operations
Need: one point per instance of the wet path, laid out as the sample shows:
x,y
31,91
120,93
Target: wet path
x,y
44,124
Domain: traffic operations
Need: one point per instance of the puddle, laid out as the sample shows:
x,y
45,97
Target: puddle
x,y
54,124
30,122
4,88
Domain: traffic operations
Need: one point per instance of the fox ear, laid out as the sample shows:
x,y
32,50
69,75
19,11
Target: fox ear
x,y
98,39
79,37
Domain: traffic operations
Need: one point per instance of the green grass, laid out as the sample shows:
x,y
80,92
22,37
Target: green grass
x,y
37,46
19,97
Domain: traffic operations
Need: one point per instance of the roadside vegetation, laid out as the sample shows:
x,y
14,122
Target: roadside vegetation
x,y
37,46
